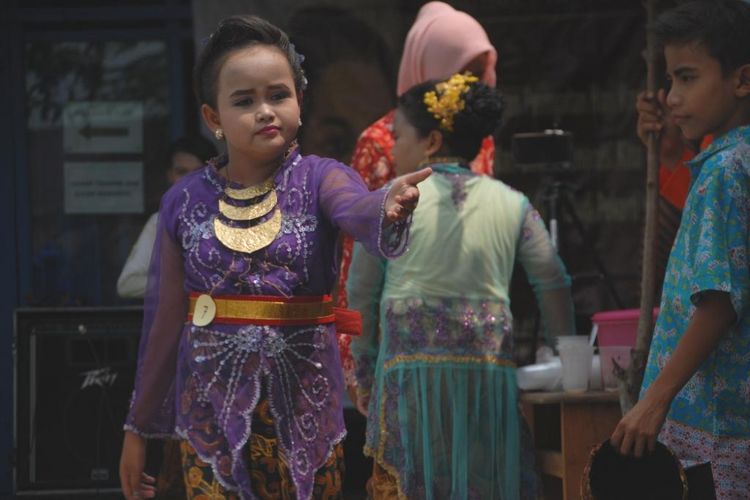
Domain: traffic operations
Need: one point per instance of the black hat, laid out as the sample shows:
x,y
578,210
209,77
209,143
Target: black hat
x,y
612,476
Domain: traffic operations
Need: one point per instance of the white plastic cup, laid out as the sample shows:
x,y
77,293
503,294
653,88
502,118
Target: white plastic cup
x,y
566,340
576,365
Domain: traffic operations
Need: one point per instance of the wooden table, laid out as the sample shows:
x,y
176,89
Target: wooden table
x,y
565,426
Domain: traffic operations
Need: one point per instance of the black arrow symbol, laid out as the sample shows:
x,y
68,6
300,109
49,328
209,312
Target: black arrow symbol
x,y
88,131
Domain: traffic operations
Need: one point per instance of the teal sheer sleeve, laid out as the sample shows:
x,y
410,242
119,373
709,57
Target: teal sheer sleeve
x,y
547,275
364,287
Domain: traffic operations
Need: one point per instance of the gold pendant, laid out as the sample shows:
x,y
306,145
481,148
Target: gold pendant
x,y
248,239
250,192
204,311
250,212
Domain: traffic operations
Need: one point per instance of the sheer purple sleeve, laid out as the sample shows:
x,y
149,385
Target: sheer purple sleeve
x,y
349,205
152,405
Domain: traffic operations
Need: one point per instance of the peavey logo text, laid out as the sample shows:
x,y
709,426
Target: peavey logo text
x,y
102,377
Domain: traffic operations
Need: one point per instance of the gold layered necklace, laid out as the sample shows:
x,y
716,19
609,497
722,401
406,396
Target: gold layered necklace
x,y
247,206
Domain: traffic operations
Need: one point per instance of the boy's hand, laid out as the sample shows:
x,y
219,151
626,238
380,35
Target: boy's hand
x,y
654,116
638,429
403,196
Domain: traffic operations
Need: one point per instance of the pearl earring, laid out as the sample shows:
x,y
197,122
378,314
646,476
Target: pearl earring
x,y
219,134
299,122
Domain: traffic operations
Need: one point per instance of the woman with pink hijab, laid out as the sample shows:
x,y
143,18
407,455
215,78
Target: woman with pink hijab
x,y
442,41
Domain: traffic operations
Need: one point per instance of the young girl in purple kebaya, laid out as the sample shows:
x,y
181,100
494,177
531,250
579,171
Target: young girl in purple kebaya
x,y
239,358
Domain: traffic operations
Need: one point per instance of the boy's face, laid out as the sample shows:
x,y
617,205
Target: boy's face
x,y
701,99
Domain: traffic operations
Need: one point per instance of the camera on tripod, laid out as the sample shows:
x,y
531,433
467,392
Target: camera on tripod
x,y
548,151
550,154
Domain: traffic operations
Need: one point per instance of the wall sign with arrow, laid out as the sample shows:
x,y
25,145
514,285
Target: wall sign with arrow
x,y
103,127
97,178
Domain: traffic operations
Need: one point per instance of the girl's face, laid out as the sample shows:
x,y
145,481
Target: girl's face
x,y
409,149
257,105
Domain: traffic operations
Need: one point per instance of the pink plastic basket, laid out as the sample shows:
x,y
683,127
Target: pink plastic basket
x,y
618,328
616,334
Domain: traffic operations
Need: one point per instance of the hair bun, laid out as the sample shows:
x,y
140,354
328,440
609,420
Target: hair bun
x,y
482,113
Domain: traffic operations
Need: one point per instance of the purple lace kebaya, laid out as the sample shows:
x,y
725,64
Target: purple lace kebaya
x,y
203,383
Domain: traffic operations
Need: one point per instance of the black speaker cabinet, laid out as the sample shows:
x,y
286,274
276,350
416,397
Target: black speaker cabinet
x,y
74,376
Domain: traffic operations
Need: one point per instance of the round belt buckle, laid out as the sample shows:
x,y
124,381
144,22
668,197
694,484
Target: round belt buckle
x,y
205,310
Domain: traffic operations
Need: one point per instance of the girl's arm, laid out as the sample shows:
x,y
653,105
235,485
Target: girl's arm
x,y
403,196
377,219
365,286
714,315
547,275
165,312
152,405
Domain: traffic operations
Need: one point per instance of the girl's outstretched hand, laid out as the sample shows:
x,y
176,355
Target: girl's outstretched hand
x,y
135,483
403,196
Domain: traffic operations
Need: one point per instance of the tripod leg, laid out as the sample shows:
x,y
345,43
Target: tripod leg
x,y
553,232
552,198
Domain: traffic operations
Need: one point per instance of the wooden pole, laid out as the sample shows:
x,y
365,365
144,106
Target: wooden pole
x,y
631,384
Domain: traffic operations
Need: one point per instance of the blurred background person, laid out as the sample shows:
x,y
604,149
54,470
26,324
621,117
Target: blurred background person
x,y
350,71
185,155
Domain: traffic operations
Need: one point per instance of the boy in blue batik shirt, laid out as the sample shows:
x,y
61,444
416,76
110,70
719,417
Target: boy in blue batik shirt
x,y
696,390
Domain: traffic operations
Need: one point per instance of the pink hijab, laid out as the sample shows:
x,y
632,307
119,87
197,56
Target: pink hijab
x,y
441,42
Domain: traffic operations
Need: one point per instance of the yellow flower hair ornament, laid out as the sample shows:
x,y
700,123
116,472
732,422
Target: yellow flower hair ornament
x,y
450,101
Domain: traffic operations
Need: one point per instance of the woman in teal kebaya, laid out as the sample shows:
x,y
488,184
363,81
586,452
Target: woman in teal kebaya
x,y
434,364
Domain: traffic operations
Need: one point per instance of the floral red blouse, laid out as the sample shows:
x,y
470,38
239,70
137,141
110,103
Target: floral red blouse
x,y
373,160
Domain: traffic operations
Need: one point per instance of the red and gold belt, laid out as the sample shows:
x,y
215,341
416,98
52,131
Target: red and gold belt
x,y
272,310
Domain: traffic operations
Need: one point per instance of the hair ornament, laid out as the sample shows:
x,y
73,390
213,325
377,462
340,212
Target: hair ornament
x,y
208,38
300,57
450,100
